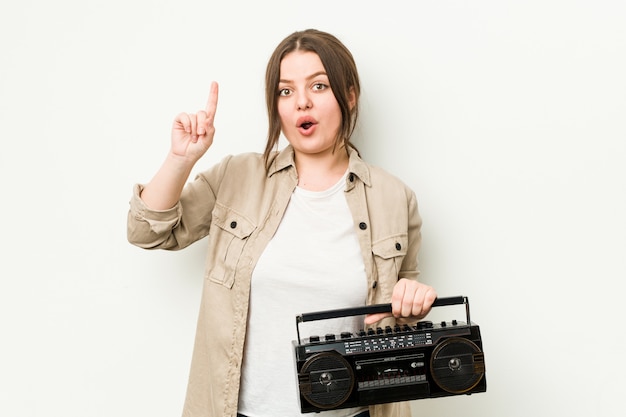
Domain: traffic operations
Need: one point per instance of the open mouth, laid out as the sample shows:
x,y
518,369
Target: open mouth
x,y
306,125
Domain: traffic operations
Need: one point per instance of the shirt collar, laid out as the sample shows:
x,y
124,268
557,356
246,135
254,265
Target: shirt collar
x,y
285,159
358,167
282,159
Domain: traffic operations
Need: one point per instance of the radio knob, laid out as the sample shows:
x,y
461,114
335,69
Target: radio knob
x,y
362,332
444,324
346,335
454,322
329,337
388,329
379,330
313,339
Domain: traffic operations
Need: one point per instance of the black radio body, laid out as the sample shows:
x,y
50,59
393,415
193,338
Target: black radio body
x,y
377,366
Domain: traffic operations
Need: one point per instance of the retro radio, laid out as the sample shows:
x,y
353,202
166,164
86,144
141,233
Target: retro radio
x,y
382,365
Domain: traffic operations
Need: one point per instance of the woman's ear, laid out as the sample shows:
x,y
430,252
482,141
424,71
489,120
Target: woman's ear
x,y
351,98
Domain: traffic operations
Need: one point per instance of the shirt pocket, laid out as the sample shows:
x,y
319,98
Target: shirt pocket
x,y
230,231
389,254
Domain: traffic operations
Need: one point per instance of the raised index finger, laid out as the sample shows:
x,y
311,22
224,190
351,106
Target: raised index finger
x,y
211,104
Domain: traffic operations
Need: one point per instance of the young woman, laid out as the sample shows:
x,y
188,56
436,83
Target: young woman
x,y
304,228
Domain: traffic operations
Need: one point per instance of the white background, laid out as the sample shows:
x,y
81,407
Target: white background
x,y
506,118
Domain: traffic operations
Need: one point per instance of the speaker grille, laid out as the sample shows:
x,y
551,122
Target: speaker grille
x,y
457,365
326,380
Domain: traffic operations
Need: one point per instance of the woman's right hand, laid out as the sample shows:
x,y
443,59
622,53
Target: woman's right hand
x,y
192,134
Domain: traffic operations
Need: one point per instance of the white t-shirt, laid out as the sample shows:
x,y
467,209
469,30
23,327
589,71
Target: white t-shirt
x,y
312,263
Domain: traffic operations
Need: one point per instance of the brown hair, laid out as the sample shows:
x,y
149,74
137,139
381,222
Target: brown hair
x,y
342,75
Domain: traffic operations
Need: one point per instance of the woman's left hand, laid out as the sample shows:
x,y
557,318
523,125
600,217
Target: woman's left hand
x,y
410,299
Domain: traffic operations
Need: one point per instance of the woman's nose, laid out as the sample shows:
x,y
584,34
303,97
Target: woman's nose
x,y
304,102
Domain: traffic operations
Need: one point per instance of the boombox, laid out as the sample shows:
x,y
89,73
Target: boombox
x,y
382,365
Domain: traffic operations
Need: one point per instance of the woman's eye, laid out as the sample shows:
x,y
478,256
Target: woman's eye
x,y
283,92
319,86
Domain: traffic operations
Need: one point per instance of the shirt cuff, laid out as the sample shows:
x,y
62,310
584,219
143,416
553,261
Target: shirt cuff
x,y
159,220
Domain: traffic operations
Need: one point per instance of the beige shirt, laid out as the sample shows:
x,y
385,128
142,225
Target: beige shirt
x,y
239,204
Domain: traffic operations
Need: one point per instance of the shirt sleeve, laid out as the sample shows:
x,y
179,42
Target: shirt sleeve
x,y
185,223
151,229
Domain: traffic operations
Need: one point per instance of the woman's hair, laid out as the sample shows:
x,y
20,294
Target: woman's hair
x,y
342,75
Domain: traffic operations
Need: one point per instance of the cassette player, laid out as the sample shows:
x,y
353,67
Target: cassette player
x,y
382,365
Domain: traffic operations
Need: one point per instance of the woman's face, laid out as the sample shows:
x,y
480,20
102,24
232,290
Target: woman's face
x,y
309,113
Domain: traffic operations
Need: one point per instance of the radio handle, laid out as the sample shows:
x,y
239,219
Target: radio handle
x,y
374,308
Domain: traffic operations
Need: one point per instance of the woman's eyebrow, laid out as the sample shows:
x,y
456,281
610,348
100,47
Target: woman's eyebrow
x,y
308,78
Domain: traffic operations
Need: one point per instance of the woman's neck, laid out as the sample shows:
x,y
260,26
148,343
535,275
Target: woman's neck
x,y
319,173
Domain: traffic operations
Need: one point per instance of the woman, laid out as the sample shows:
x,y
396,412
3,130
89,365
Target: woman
x,y
305,228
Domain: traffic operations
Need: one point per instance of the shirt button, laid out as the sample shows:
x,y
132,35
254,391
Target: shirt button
x,y
375,284
233,224
362,226
351,177
398,246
